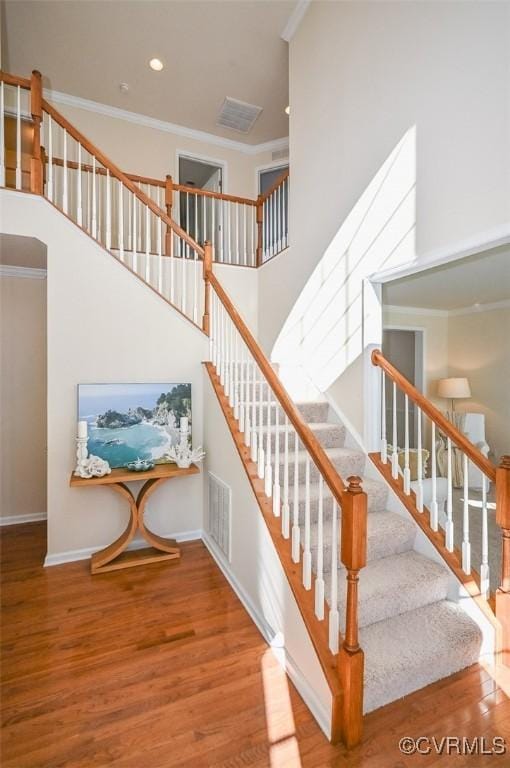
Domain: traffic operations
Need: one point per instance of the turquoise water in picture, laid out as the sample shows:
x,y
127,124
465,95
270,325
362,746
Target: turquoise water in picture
x,y
120,446
133,421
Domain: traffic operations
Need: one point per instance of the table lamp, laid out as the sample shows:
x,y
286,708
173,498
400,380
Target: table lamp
x,y
453,389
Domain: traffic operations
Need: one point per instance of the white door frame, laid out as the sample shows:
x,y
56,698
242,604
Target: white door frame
x,y
202,159
273,165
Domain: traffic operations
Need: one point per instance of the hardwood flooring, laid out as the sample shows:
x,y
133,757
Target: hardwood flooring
x,y
161,666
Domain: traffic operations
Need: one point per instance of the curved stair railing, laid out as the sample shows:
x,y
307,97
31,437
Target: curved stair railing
x,y
282,458
440,497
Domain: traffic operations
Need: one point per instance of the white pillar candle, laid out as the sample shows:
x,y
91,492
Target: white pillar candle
x,y
184,423
82,429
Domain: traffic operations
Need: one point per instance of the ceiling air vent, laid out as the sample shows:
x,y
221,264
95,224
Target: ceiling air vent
x,y
238,115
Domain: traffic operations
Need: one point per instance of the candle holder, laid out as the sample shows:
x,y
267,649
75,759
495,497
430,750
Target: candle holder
x,y
81,454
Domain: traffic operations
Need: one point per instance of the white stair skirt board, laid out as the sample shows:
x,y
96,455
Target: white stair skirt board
x,y
138,543
276,641
18,519
410,632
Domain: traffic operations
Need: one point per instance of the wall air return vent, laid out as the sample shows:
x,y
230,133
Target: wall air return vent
x,y
238,115
219,514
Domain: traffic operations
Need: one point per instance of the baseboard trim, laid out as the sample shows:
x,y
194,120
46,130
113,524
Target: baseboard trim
x,y
73,555
18,519
321,715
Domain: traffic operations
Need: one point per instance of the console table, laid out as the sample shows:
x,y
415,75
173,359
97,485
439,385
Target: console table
x,y
114,557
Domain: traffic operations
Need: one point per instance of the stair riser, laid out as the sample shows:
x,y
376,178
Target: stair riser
x,y
392,603
376,547
312,413
330,437
345,466
375,503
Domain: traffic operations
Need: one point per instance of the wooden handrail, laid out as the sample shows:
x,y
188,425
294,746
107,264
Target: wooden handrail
x,y
460,440
309,440
275,186
217,195
117,173
9,79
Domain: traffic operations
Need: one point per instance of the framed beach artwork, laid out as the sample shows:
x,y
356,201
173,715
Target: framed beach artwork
x,y
130,421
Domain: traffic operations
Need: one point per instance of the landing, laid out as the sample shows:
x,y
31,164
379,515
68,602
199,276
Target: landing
x,y
163,667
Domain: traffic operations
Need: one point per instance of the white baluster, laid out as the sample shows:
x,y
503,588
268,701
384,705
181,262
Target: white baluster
x,y
184,265
245,237
147,244
394,455
172,264
261,462
234,395
333,613
204,217
484,568
50,159
253,234
160,225
466,546
213,224
434,511
254,433
307,554
196,278
229,234
449,501
285,505
319,581
247,416
19,178
384,442
419,487
276,484
94,198
64,178
2,135
268,474
407,471
237,246
89,207
108,229
296,533
120,221
228,358
195,200
134,217
242,389
79,211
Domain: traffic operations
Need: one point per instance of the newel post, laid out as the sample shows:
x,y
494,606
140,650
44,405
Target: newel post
x,y
260,221
353,554
36,161
169,192
208,260
503,520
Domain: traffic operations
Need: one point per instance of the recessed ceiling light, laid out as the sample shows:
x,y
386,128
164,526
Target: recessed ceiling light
x,y
156,64
287,110
124,87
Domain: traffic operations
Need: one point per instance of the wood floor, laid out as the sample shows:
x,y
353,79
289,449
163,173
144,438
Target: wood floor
x,y
161,666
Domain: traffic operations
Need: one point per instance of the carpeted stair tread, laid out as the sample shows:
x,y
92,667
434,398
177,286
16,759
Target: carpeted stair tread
x,y
377,497
387,534
416,648
393,585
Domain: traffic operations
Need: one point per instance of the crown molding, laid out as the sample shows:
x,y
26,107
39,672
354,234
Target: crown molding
x,y
8,270
427,311
294,20
57,97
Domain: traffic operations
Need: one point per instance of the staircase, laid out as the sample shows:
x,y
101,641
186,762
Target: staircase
x,y
376,609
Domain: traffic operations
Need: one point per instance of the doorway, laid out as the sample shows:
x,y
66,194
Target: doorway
x,y
404,349
198,213
268,176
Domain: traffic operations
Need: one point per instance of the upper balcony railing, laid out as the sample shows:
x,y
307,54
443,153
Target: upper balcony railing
x,y
36,155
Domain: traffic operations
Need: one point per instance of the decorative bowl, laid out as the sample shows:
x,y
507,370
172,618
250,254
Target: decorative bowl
x,y
140,465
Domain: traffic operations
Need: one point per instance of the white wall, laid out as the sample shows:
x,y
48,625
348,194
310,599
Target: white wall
x,y
103,326
255,569
399,146
22,397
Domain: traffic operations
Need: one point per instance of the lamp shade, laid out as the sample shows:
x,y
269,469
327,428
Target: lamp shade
x,y
453,388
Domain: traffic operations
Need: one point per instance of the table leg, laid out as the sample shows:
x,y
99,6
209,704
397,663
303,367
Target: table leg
x,y
166,545
100,560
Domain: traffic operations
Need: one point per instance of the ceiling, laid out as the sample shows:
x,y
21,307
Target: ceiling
x,y
17,251
210,50
480,279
